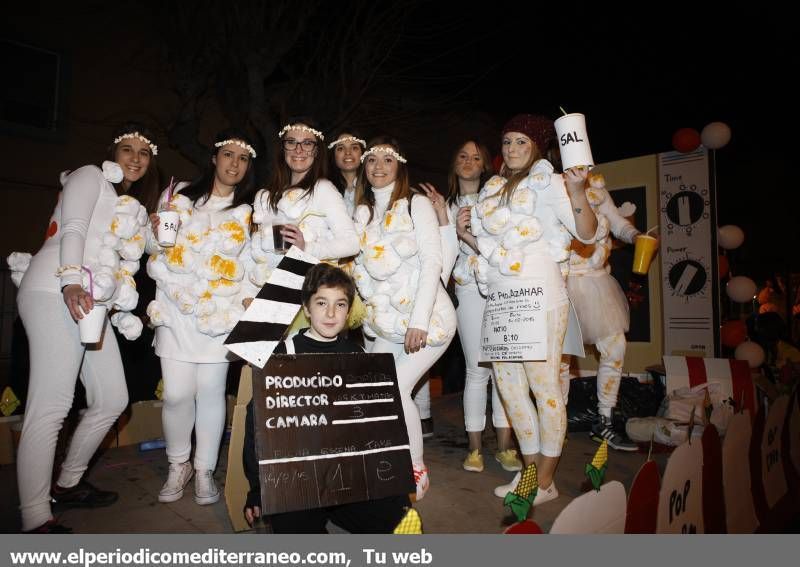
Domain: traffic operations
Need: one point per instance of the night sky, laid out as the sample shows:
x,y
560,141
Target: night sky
x,y
638,73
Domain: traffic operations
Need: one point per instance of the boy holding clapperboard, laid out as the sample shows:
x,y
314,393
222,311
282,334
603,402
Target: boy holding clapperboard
x,y
327,295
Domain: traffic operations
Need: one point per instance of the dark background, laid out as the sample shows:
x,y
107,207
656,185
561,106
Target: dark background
x,y
430,73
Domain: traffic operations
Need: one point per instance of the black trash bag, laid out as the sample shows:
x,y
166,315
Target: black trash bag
x,y
582,404
635,400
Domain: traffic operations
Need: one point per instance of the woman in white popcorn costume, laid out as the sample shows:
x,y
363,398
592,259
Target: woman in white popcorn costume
x,y
346,152
200,285
398,275
99,222
309,208
469,170
522,225
602,308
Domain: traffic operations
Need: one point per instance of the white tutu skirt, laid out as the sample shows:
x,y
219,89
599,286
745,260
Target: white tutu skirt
x,y
601,306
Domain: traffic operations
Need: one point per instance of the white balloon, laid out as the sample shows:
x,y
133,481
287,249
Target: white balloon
x,y
751,352
741,289
730,236
716,135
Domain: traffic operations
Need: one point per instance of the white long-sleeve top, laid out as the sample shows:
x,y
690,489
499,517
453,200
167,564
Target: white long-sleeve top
x,y
464,270
529,235
399,269
322,217
593,259
83,213
200,281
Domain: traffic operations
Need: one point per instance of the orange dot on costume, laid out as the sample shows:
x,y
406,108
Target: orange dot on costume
x,y
51,230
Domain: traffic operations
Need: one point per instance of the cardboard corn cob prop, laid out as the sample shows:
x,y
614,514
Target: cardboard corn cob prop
x,y
596,470
411,524
520,500
8,401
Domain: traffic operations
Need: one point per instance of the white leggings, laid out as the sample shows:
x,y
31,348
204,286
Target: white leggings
x,y
410,368
422,399
194,398
543,431
56,358
470,319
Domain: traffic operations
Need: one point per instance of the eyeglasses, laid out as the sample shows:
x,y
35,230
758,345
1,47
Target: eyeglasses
x,y
290,144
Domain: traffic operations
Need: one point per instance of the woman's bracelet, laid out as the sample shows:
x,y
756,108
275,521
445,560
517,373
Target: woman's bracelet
x,y
68,268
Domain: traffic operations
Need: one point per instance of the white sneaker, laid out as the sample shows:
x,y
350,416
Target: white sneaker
x,y
205,489
179,476
504,489
546,494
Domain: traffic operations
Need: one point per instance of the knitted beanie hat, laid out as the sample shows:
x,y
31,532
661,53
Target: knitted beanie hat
x,y
538,128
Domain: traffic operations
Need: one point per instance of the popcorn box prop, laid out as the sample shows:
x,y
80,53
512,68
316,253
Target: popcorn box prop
x,y
595,512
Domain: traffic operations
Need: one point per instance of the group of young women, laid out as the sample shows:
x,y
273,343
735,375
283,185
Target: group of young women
x,y
400,244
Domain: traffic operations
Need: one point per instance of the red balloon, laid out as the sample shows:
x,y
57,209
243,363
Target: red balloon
x,y
733,333
686,140
497,163
724,267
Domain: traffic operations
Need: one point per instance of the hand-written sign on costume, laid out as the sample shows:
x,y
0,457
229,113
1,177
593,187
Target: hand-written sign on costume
x,y
515,323
329,430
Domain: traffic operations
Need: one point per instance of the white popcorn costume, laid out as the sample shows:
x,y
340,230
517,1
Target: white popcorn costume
x,y
599,301
200,286
470,318
528,236
91,226
321,216
398,276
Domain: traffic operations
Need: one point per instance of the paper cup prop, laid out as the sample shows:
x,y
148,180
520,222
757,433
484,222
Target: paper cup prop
x,y
643,253
573,141
91,325
168,220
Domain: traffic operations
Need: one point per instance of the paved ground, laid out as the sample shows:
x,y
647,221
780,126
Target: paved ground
x,y
458,501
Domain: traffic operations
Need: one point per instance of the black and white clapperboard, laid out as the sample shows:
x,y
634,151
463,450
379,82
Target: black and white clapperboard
x,y
265,321
320,440
329,430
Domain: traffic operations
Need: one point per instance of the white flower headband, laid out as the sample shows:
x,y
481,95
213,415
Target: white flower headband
x,y
342,140
240,143
302,128
153,147
384,150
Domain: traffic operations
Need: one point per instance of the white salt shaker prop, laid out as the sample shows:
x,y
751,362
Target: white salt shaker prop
x,y
573,141
168,220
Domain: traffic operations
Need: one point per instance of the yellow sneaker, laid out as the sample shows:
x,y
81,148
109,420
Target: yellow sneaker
x,y
508,460
474,461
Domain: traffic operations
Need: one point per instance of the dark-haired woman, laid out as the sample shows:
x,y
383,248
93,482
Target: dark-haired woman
x,y
300,199
98,222
200,285
346,152
398,274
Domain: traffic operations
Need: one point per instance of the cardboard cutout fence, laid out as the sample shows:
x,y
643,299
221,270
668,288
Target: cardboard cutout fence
x,y
329,430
